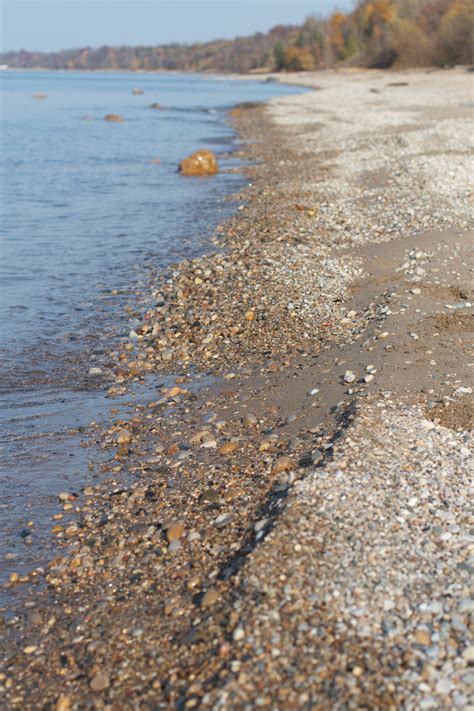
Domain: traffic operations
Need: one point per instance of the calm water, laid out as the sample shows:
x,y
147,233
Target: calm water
x,y
85,212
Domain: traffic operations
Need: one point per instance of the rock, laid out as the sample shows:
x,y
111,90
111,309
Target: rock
x,y
194,536
100,682
423,637
30,649
201,162
317,456
39,95
156,105
200,436
468,654
227,448
95,371
466,606
137,91
349,376
283,464
238,634
313,391
123,437
174,532
114,118
210,496
63,703
249,420
193,583
210,597
222,520
174,546
173,392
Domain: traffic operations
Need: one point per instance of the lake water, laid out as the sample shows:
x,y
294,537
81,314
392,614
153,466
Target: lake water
x,y
87,218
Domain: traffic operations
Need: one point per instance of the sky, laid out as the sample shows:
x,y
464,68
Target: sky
x,y
49,25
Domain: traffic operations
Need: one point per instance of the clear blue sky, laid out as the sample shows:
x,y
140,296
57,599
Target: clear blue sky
x,y
59,24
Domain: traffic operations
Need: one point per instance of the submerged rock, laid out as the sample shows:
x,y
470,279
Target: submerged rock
x,y
137,90
202,162
113,117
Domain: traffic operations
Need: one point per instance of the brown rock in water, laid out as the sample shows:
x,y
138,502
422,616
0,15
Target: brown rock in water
x,y
40,95
156,105
137,90
113,117
200,163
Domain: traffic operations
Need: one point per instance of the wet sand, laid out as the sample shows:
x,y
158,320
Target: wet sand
x,y
294,533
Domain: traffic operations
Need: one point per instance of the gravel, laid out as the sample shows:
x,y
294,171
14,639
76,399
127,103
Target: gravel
x,y
294,531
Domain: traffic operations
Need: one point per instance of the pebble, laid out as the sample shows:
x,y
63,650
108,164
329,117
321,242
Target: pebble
x,y
423,637
209,496
174,532
249,420
349,376
100,682
466,606
209,598
238,634
95,371
123,437
227,448
468,654
222,520
30,649
194,536
283,464
260,525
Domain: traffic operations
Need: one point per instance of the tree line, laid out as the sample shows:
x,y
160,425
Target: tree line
x,y
377,33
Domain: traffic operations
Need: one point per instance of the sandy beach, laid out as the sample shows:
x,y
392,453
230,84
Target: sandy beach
x,y
294,533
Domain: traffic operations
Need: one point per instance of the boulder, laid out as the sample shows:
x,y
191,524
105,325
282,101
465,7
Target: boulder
x,y
113,117
156,105
137,91
202,162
